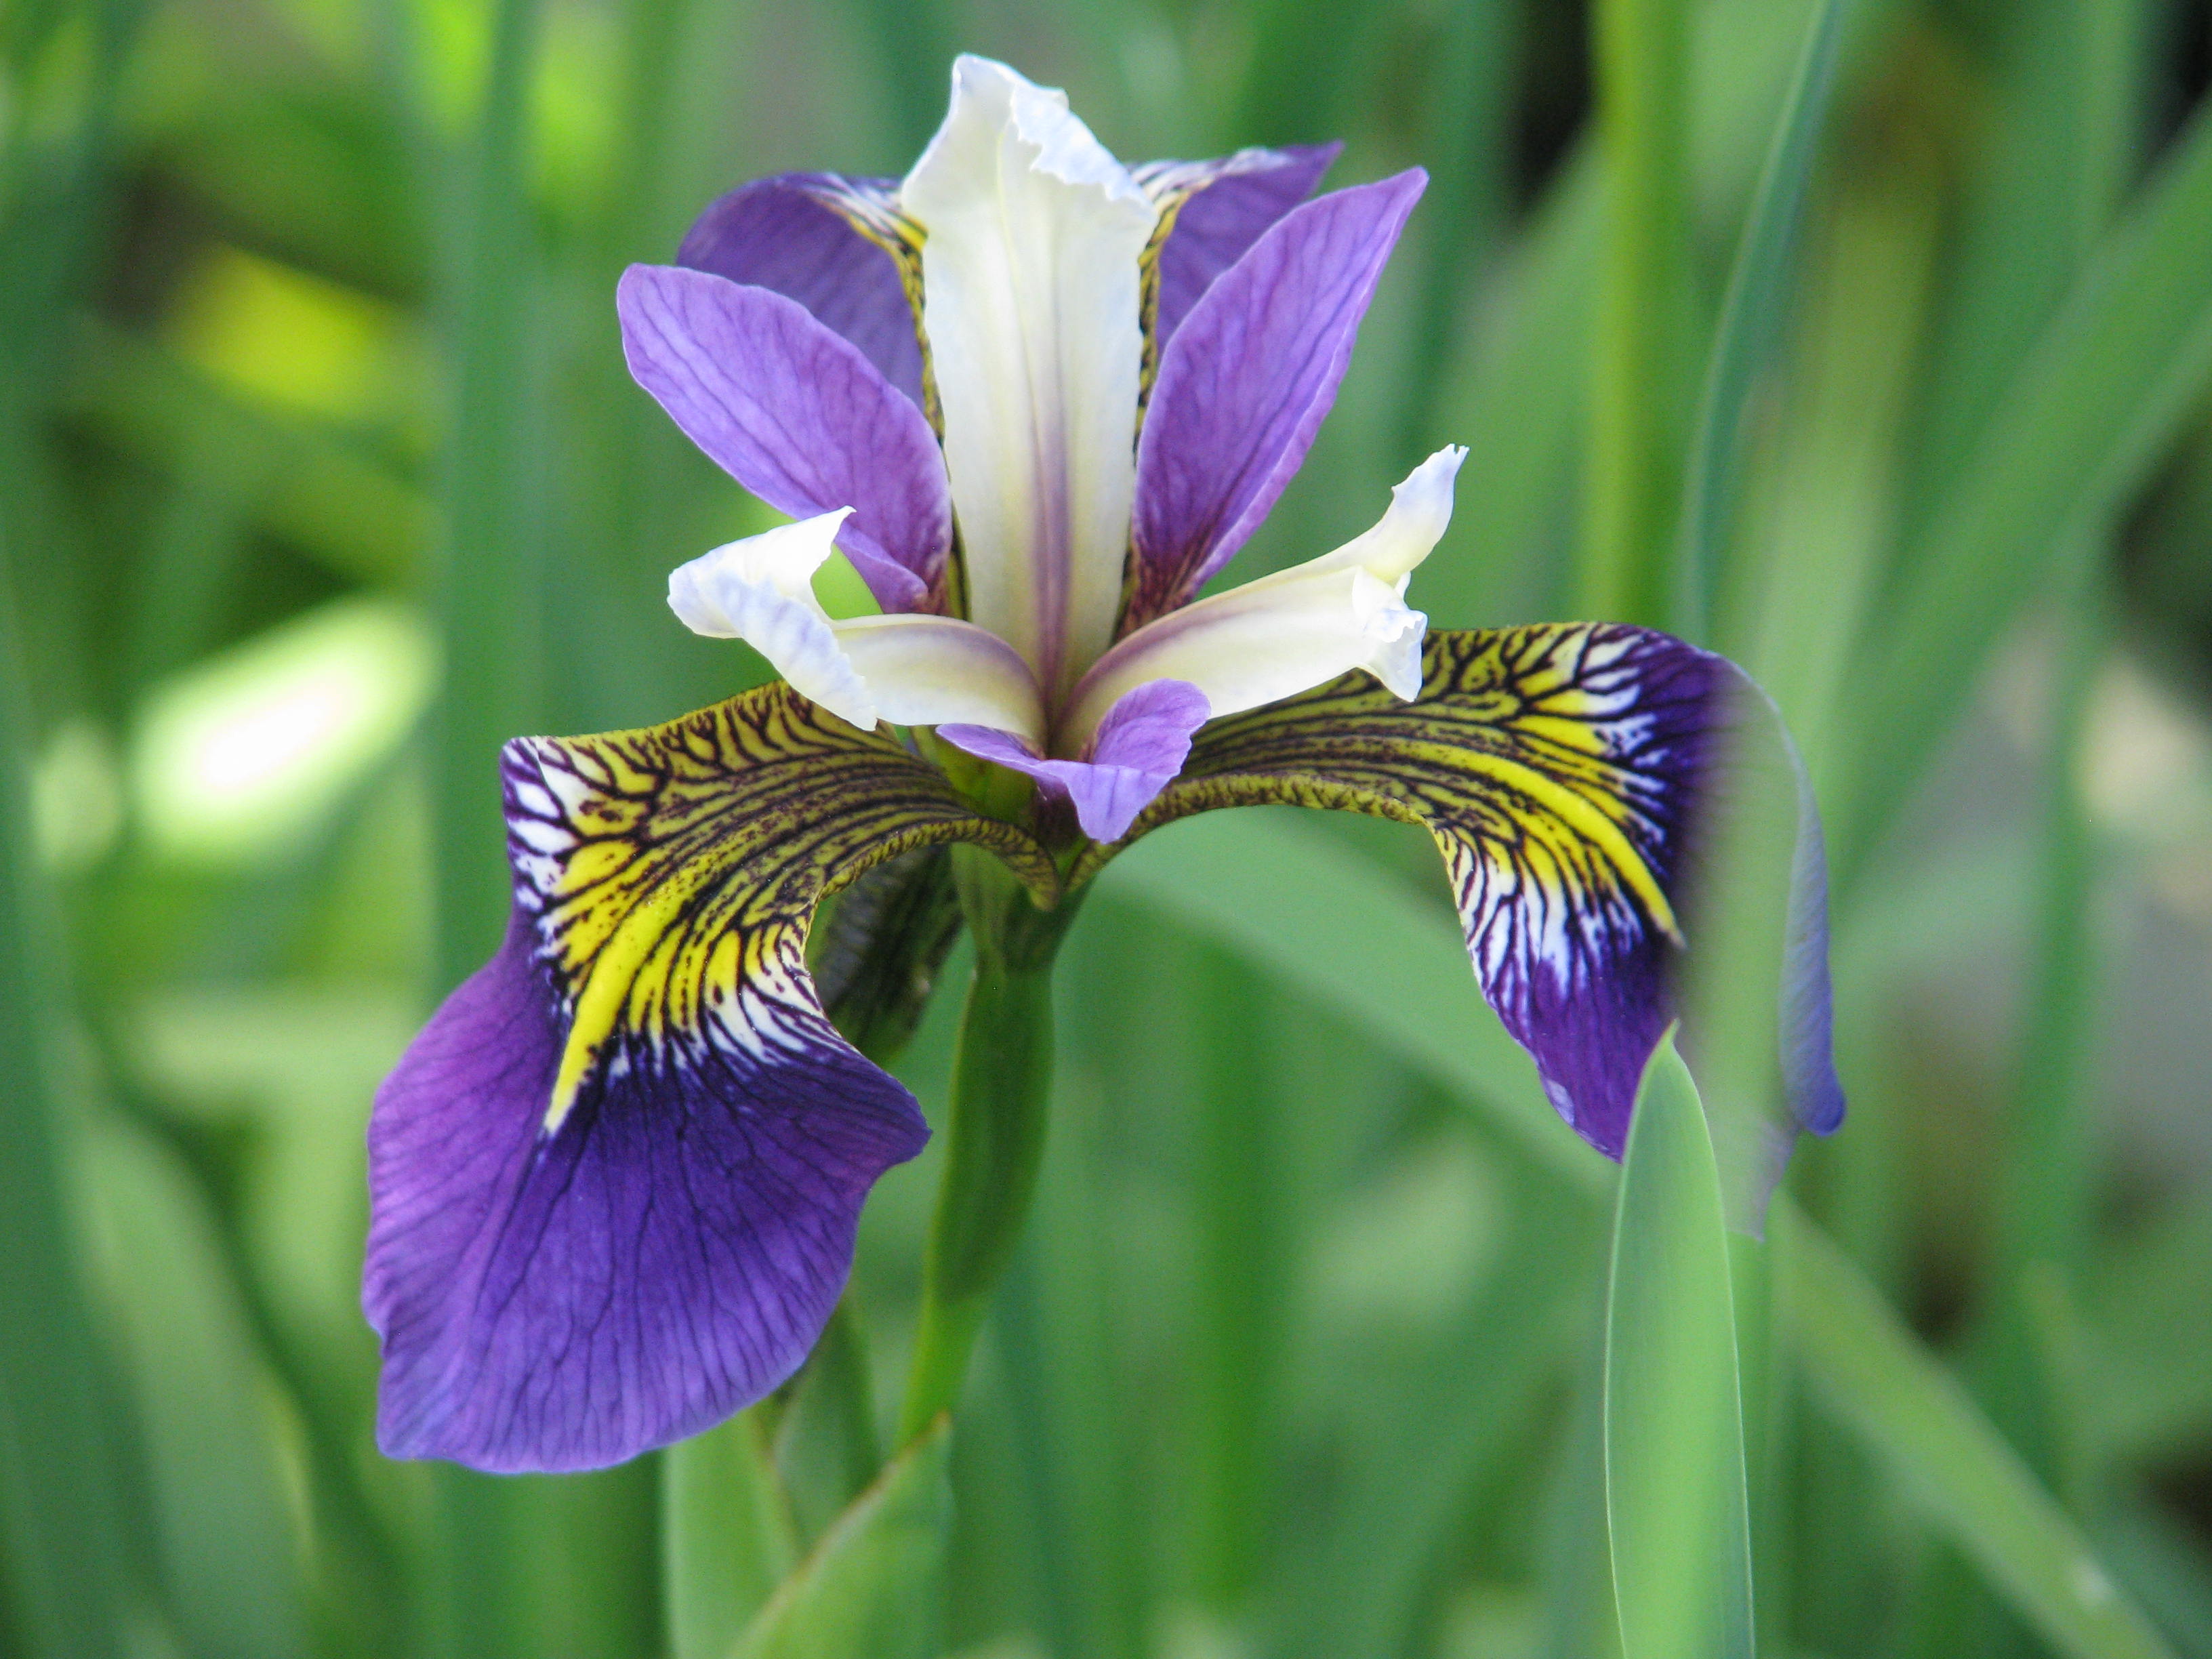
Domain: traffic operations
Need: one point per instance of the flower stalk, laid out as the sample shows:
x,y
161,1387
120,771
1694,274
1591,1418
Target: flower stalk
x,y
1001,1085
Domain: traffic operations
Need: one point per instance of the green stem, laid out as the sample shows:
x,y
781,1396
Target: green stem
x,y
2047,1189
1001,1078
1469,200
64,1518
1636,423
491,582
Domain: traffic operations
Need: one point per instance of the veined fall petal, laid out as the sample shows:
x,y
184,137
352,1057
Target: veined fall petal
x,y
1030,298
1571,775
909,669
1297,628
615,1181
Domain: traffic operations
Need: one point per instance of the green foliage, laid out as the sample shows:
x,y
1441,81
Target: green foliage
x,y
1871,1372
1676,1505
727,1536
1868,342
875,1584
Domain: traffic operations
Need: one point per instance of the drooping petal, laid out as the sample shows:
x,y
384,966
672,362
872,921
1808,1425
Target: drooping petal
x,y
1136,752
614,1182
1298,628
796,415
1568,773
1031,288
833,244
1246,382
911,670
1211,211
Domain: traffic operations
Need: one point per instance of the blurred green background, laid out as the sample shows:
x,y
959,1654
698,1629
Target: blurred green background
x,y
320,475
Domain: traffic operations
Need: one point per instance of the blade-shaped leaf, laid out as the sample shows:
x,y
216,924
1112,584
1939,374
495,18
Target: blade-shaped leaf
x,y
1752,317
1641,358
1674,1419
2099,398
726,1538
875,1585
1296,903
1914,1415
1333,923
63,1518
223,1533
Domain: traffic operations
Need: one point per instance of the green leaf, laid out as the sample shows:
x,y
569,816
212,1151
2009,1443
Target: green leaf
x,y
825,1445
875,1584
726,1538
1286,893
1641,54
1469,154
62,1523
1518,397
1303,906
1752,317
2098,400
492,585
1675,1501
1438,1419
223,1532
1911,1412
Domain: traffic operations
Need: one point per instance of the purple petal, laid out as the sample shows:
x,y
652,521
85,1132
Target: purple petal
x,y
613,1184
668,1255
1240,196
1584,783
1247,381
797,415
1136,752
796,235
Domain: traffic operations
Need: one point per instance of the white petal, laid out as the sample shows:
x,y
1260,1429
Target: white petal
x,y
911,669
1031,292
938,671
1420,512
758,590
783,560
1299,627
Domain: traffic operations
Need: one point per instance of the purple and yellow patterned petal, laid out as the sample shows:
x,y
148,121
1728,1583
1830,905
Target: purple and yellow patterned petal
x,y
1568,773
1246,383
795,413
1211,212
1136,751
614,1182
836,246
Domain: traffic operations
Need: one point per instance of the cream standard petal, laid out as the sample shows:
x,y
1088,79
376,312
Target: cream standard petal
x,y
1031,295
1302,627
910,669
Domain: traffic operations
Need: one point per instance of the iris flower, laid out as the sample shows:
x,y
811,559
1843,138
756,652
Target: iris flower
x,y
1038,399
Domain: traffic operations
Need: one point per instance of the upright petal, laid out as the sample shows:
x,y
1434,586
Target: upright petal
x,y
797,415
1569,774
1246,382
1136,752
614,1183
908,669
1296,629
1031,287
1211,211
831,243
